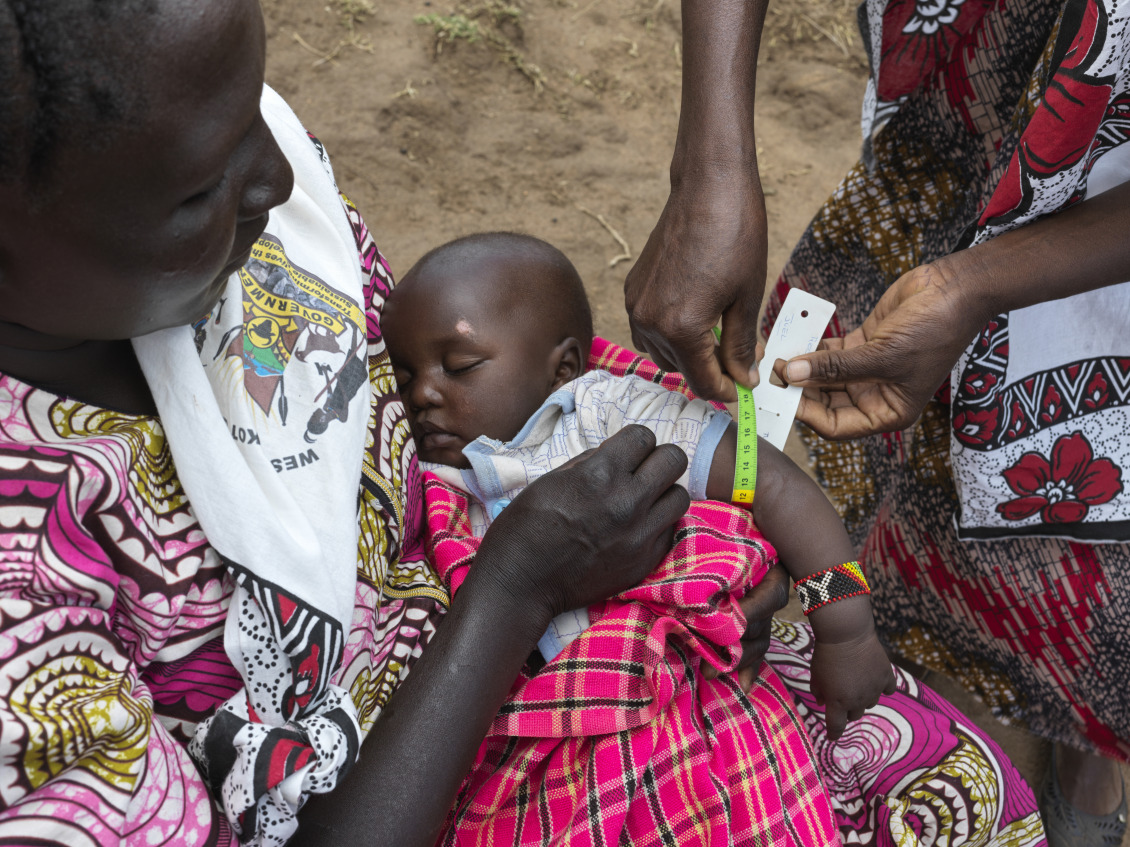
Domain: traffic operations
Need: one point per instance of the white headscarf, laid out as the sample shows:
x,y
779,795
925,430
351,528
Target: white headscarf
x,y
265,405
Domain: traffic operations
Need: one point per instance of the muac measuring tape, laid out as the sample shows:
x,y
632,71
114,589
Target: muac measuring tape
x,y
768,411
745,458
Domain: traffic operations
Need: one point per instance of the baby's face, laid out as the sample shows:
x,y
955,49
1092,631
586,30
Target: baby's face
x,y
466,366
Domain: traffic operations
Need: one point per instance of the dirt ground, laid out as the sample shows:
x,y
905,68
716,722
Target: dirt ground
x,y
437,139
557,118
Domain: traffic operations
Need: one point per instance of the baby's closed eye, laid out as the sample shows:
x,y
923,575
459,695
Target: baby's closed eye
x,y
457,367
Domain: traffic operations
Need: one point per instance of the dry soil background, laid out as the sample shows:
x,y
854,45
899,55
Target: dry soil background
x,y
556,113
557,118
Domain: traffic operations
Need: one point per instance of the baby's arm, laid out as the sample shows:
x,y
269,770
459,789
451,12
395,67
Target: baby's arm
x,y
850,669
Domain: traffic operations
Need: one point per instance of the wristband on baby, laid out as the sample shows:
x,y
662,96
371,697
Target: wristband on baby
x,y
831,584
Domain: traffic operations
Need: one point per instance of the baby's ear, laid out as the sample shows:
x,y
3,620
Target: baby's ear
x,y
566,361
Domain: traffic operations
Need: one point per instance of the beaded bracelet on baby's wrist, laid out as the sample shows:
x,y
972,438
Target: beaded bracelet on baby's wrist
x,y
831,584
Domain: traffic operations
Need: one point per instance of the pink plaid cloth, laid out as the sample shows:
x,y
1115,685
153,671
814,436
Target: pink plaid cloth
x,y
620,739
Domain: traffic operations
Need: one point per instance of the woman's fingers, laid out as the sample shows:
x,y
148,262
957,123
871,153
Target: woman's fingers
x,y
655,468
627,449
852,391
740,350
576,460
780,366
644,502
883,373
659,523
766,598
840,415
645,499
659,471
892,685
580,534
655,347
698,360
835,719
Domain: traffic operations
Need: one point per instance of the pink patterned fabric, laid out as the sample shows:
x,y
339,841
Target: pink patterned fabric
x,y
620,738
913,771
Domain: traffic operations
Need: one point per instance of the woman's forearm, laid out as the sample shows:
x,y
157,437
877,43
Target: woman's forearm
x,y
423,743
1079,249
720,43
705,259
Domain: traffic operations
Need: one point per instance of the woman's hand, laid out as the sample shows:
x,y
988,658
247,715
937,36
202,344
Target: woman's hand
x,y
704,259
706,256
880,376
586,531
759,605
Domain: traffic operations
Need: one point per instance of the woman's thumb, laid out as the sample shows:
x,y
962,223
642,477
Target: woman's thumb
x,y
741,354
834,367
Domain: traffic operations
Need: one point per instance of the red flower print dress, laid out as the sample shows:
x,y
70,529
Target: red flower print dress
x,y
995,530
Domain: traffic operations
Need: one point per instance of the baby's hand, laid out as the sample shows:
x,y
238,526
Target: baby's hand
x,y
848,677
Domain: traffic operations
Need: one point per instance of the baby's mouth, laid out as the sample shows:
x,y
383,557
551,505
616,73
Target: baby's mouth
x,y
431,437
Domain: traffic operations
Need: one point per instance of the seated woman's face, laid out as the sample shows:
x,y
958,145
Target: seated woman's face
x,y
140,233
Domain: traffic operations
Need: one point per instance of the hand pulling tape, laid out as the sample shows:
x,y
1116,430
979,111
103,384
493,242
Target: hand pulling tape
x,y
768,411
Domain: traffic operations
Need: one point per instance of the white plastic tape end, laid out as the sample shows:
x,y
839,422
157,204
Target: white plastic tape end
x,y
798,330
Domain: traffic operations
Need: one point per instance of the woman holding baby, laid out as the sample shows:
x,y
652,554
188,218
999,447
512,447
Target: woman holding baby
x,y
228,629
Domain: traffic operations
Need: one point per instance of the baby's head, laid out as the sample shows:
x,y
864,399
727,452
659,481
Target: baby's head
x,y
480,331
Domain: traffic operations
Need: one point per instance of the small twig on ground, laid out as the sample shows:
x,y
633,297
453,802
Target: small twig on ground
x,y
626,256
633,47
322,57
407,91
577,16
835,39
512,55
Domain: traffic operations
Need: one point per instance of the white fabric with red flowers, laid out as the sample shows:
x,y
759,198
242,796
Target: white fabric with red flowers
x,y
1041,399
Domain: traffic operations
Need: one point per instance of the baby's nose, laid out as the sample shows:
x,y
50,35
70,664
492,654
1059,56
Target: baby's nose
x,y
423,394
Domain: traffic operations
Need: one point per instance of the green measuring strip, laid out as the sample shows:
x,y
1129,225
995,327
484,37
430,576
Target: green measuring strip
x,y
745,454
